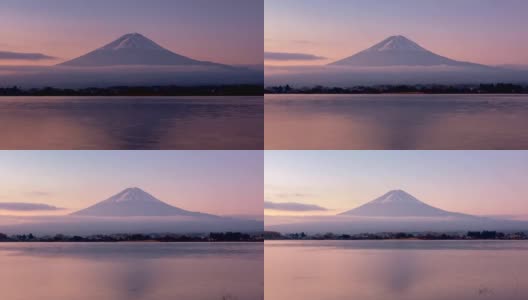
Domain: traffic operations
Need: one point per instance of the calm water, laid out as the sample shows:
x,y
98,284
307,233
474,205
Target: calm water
x,y
399,270
396,122
131,271
131,123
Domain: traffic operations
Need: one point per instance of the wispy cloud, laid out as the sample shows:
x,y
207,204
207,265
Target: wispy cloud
x,y
292,206
291,195
297,42
38,193
304,42
21,206
7,55
286,56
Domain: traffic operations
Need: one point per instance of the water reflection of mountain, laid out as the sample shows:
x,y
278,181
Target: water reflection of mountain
x,y
133,123
396,122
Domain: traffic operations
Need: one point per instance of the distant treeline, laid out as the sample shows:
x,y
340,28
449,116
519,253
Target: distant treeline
x,y
222,90
499,88
211,237
470,235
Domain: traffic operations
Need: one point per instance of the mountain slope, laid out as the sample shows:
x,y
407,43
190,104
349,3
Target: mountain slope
x,y
395,211
398,203
135,202
398,51
133,49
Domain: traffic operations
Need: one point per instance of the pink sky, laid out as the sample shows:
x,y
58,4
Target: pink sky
x,y
486,32
471,182
216,182
224,31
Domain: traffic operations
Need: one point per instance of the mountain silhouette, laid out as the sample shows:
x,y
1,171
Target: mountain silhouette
x,y
135,202
395,211
134,49
398,203
399,51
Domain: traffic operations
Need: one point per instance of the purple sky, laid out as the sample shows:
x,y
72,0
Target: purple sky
x,y
217,182
481,31
472,182
224,31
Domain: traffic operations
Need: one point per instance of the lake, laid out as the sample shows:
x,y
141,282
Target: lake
x,y
132,123
399,270
131,271
378,122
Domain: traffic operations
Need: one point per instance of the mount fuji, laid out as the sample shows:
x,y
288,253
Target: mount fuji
x,y
395,211
131,211
399,51
133,202
133,49
394,61
398,203
133,60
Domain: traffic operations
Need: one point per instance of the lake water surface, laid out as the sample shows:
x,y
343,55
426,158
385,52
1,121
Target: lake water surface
x,y
399,270
132,123
393,122
131,271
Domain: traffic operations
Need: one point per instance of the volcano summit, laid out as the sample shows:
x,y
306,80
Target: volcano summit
x,y
398,203
395,211
398,51
133,49
135,202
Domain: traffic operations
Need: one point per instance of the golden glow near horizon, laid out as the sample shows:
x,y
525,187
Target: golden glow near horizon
x,y
273,212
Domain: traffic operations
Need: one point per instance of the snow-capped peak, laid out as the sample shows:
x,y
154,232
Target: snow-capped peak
x,y
133,49
396,196
132,194
132,41
396,43
398,203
